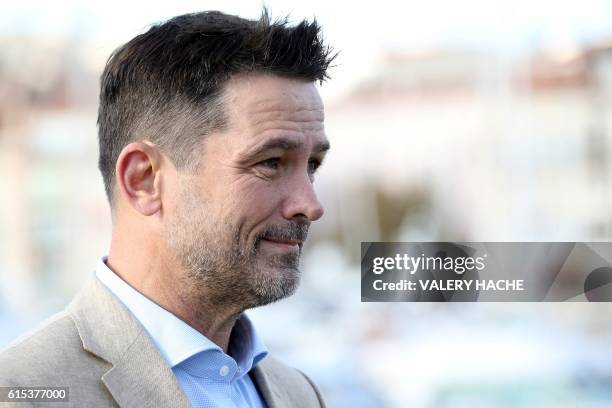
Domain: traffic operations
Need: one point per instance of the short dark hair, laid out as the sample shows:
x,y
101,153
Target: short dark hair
x,y
166,85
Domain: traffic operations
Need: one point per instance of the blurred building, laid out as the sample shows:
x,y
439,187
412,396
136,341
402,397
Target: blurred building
x,y
53,215
493,147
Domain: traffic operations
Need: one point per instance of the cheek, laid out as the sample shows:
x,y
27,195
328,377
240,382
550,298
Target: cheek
x,y
252,206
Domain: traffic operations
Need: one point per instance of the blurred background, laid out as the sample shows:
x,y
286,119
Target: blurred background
x,y
477,120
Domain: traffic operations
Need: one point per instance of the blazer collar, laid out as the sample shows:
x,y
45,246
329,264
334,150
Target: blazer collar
x,y
276,388
267,389
139,375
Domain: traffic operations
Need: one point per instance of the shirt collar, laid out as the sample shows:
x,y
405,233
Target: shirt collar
x,y
175,339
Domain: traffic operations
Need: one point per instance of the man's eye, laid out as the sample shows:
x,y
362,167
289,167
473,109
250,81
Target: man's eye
x,y
273,163
313,165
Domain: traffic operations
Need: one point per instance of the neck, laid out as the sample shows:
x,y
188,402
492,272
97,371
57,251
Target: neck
x,y
158,278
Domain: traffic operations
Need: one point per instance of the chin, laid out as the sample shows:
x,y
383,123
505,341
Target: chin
x,y
276,284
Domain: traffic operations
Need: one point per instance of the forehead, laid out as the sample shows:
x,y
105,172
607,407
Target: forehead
x,y
260,102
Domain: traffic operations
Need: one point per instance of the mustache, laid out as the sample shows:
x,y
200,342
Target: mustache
x,y
294,230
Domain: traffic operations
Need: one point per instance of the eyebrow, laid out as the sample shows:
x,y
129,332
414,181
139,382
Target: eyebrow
x,y
286,144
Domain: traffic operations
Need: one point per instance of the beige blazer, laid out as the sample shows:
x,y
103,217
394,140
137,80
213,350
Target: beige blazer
x,y
98,349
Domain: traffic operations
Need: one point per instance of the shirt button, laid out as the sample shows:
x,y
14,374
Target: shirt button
x,y
223,371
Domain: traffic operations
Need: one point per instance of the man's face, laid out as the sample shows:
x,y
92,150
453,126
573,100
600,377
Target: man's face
x,y
238,225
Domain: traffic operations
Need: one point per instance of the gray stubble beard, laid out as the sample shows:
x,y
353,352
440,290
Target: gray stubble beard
x,y
219,275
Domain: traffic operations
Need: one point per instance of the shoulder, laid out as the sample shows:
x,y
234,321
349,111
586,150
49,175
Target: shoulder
x,y
53,351
291,380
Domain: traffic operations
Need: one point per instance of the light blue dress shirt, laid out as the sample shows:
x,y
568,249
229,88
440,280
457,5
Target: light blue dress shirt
x,y
209,377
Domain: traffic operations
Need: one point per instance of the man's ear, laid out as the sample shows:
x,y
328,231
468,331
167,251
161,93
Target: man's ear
x,y
138,176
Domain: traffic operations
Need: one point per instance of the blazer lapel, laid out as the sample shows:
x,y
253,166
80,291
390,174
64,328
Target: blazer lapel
x,y
141,378
139,375
267,388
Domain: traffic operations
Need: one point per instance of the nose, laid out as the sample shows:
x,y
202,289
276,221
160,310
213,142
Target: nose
x,y
302,202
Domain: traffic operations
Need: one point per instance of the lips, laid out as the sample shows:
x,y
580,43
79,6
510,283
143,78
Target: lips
x,y
289,242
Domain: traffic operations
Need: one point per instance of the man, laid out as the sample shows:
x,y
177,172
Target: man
x,y
210,131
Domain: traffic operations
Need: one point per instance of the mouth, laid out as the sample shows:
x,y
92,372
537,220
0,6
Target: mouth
x,y
283,243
